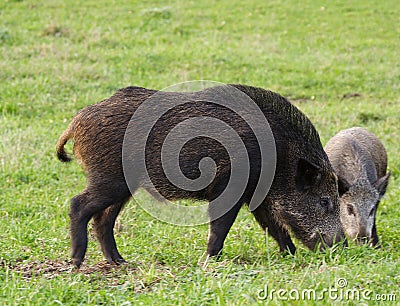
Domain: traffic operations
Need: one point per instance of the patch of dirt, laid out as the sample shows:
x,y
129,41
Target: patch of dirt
x,y
53,268
366,117
55,30
351,95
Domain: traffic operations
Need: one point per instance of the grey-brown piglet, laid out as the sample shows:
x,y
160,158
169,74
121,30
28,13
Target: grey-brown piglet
x,y
360,161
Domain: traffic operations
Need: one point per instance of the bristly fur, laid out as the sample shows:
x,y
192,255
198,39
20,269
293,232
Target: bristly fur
x,y
280,106
303,196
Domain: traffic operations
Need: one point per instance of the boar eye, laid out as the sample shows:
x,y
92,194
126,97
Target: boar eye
x,y
350,210
326,203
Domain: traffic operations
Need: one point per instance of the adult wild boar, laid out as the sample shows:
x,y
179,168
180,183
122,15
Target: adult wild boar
x,y
360,162
302,199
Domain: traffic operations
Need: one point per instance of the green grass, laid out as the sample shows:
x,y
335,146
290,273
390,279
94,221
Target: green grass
x,y
337,61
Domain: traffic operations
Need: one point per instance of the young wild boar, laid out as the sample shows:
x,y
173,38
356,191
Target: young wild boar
x,y
360,162
302,199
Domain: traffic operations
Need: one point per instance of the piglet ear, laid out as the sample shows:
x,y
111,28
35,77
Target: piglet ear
x,y
343,186
307,175
381,184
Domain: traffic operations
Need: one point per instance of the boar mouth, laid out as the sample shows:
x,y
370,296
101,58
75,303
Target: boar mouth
x,y
322,241
364,240
316,241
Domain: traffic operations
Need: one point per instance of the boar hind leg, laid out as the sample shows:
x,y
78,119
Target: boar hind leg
x,y
83,207
219,229
78,228
104,225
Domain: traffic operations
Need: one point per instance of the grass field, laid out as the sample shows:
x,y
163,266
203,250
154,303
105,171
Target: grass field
x,y
338,61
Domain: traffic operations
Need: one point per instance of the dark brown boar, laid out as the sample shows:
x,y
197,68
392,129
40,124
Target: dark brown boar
x,y
303,197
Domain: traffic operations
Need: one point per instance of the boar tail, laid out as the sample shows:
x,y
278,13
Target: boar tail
x,y
67,135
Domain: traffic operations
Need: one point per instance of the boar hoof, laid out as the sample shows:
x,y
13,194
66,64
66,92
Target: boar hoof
x,y
118,261
288,251
77,262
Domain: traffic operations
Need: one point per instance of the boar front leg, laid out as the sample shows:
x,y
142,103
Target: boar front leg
x,y
282,237
265,218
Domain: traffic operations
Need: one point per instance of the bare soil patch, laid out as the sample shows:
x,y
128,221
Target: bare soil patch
x,y
53,268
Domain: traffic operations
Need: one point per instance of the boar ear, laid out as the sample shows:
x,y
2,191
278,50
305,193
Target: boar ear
x,y
343,186
381,184
307,175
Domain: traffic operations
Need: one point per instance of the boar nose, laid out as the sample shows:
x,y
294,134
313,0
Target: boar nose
x,y
330,240
363,235
362,240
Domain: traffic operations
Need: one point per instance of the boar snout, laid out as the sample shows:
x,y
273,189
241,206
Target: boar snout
x,y
329,240
322,241
364,235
